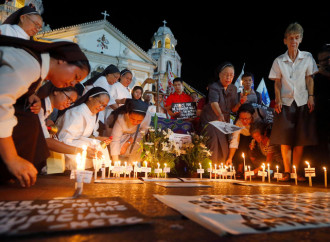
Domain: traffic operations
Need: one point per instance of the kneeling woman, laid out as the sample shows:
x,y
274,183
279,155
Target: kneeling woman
x,y
80,122
128,121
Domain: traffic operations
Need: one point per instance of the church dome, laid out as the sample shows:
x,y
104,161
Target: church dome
x,y
164,30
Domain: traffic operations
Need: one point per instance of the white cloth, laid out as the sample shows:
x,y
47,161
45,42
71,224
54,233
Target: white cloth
x,y
75,128
43,114
13,31
235,137
118,91
18,70
292,75
102,82
121,132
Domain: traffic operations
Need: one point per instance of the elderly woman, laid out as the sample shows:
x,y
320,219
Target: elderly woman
x,y
128,121
24,23
222,100
78,125
24,65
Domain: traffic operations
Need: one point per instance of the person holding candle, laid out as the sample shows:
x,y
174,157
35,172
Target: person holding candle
x,y
248,93
128,121
260,148
294,121
222,100
24,65
240,139
24,23
78,125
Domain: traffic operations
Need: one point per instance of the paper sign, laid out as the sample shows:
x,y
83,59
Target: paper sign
x,y
82,176
262,173
137,169
309,172
200,170
209,169
158,171
293,175
226,128
278,175
50,216
146,169
249,173
187,109
167,169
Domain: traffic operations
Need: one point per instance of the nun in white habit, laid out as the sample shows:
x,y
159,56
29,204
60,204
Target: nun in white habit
x,y
129,120
24,23
78,125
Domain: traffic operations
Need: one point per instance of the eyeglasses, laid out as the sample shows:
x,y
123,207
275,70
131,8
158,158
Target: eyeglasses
x,y
68,97
37,25
245,119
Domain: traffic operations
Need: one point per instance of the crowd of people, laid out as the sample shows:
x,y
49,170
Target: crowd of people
x,y
41,89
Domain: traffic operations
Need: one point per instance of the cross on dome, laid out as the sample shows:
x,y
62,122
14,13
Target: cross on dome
x,y
105,14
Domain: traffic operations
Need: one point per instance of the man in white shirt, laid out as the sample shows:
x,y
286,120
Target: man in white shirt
x,y
294,96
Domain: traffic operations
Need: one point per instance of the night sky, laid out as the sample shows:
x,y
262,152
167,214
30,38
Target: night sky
x,y
207,34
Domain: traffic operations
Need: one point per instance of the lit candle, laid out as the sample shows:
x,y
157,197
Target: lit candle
x,y
200,174
210,170
244,166
309,177
215,171
135,169
83,157
325,177
295,175
79,184
146,173
277,172
249,172
125,169
268,173
103,167
158,170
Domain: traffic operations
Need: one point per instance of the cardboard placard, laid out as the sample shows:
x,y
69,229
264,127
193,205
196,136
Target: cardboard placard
x,y
82,176
262,173
64,215
278,175
187,110
309,172
200,171
167,169
158,171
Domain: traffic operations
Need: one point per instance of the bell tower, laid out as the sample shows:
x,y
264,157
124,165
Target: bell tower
x,y
163,51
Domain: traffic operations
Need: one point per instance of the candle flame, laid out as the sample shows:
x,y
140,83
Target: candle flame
x,y
84,147
307,162
324,168
243,155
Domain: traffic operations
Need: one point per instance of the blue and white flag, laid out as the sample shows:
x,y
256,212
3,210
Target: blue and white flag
x,y
264,93
238,82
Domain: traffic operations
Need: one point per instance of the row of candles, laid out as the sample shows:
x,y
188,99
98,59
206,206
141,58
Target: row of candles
x,y
309,172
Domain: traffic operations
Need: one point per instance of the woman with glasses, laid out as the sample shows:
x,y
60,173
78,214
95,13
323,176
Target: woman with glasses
x,y
78,125
24,23
105,79
240,139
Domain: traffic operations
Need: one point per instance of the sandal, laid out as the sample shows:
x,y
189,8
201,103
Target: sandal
x,y
285,177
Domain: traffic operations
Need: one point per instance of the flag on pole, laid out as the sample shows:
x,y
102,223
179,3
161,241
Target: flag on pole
x,y
264,93
238,82
170,78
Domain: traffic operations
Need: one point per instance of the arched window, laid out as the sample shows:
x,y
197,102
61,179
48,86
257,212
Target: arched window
x,y
159,44
167,43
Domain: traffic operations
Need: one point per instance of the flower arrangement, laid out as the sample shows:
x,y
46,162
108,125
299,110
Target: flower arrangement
x,y
157,146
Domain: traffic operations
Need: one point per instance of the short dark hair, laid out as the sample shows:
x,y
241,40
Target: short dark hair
x,y
178,79
247,74
246,108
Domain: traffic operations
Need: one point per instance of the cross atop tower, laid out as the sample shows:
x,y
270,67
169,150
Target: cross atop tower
x,y
105,14
164,23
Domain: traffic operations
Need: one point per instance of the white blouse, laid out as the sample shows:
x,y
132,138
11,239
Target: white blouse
x,y
18,70
75,128
13,31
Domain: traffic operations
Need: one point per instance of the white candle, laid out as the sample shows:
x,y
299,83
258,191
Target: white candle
x,y
295,174
215,171
103,167
146,173
277,172
263,170
200,174
83,157
135,168
243,155
309,177
210,170
249,172
158,168
79,185
325,177
268,173
125,169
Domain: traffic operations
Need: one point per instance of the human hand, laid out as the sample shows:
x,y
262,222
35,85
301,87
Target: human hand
x,y
221,118
243,98
310,103
252,144
229,161
92,153
23,170
278,106
35,103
